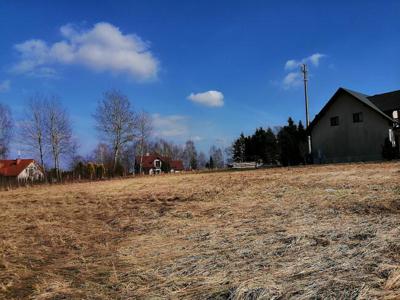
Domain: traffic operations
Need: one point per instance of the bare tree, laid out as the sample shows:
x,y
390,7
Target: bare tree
x,y
144,131
6,126
102,154
115,121
177,152
217,156
165,148
32,128
190,155
127,158
58,132
201,160
228,151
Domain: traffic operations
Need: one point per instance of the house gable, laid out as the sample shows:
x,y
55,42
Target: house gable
x,y
349,128
20,169
357,96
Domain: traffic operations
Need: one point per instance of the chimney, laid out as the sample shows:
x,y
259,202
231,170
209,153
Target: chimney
x,y
18,160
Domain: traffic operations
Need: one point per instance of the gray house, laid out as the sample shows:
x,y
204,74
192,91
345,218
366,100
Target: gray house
x,y
353,126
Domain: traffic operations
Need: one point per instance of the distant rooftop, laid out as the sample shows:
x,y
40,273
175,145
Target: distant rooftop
x,y
387,101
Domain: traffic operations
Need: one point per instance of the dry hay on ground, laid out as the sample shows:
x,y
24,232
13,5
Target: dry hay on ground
x,y
306,233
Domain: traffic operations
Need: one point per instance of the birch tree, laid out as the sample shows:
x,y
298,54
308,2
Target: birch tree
x,y
6,126
58,132
144,131
115,121
32,128
190,155
217,156
201,160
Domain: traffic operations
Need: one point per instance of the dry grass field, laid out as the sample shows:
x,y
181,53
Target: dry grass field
x,y
323,232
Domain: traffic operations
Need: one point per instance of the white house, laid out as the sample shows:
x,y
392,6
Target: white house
x,y
21,170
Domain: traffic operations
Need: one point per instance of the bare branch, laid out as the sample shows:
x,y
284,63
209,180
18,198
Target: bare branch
x,y
32,127
115,121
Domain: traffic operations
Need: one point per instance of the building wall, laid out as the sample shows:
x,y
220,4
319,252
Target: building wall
x,y
349,141
34,175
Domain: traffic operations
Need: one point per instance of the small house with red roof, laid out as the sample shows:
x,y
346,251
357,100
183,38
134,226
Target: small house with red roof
x,y
21,170
157,164
176,166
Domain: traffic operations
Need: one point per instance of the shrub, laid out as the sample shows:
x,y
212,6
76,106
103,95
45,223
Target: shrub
x,y
100,171
90,170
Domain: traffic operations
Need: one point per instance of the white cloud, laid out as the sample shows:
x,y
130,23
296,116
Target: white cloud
x,y
196,138
5,86
170,126
292,79
210,98
313,59
291,64
101,48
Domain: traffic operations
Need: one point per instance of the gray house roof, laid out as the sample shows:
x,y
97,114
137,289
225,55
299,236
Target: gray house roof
x,y
387,101
376,103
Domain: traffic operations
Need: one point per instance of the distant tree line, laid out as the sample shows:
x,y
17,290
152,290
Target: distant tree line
x,y
285,145
45,132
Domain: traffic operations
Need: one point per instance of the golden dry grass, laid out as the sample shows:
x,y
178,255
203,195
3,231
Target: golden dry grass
x,y
306,233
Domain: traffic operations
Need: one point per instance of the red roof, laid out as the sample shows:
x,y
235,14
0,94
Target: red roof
x,y
148,162
177,165
14,167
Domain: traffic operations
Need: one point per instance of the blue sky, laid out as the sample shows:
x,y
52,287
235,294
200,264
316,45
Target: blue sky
x,y
206,70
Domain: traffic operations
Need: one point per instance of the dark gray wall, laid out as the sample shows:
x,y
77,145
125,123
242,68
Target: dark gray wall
x,y
349,141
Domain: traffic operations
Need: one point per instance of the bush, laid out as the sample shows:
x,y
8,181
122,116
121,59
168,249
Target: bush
x,y
165,167
388,151
90,170
100,171
79,170
119,170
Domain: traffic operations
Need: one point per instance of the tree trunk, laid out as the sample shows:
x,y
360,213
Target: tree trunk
x,y
115,159
141,159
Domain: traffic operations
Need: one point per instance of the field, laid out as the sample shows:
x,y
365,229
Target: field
x,y
309,232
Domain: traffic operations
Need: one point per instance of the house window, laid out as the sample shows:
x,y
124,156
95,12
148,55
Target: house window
x,y
335,121
157,163
357,117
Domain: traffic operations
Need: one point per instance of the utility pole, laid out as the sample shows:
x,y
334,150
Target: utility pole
x,y
304,71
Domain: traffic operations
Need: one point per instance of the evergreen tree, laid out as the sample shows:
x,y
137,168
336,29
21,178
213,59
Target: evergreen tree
x,y
211,163
193,162
292,141
239,149
271,151
289,146
302,143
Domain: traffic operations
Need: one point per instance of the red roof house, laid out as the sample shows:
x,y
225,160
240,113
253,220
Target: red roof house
x,y
152,164
21,169
176,165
